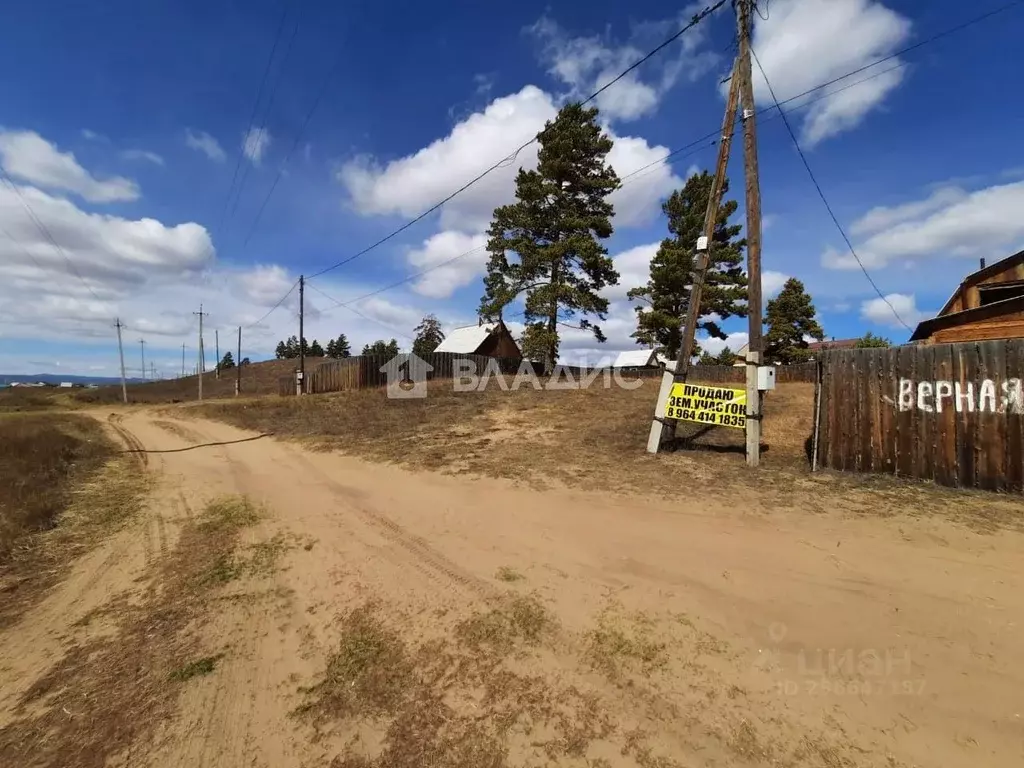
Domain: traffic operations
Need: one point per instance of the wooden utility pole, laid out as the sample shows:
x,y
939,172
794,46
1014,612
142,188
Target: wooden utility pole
x,y
663,429
238,365
201,367
302,339
142,346
183,360
753,204
120,353
216,341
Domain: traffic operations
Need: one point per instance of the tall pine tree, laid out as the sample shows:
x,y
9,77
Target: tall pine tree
x,y
547,245
663,302
790,317
428,336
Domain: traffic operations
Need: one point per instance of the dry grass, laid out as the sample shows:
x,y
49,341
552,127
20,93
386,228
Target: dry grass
x,y
63,488
75,713
596,439
621,644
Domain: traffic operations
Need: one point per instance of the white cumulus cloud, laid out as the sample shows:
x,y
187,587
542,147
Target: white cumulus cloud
x,y
467,256
883,311
804,43
950,222
203,142
28,156
143,154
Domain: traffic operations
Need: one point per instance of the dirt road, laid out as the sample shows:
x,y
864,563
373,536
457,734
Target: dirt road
x,y
416,619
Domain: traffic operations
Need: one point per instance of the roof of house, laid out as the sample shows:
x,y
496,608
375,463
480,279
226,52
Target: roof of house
x,y
634,358
979,276
818,346
467,340
927,327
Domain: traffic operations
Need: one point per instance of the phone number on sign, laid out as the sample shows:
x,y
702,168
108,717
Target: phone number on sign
x,y
852,687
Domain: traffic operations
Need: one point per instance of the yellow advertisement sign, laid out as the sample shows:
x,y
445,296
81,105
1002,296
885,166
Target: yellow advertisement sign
x,y
704,404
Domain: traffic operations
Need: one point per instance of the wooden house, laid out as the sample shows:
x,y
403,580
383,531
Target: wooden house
x,y
987,305
490,339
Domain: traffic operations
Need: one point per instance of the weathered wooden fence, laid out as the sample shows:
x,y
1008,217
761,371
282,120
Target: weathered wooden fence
x,y
951,413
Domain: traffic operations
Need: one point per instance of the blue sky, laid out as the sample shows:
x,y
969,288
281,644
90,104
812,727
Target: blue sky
x,y
122,125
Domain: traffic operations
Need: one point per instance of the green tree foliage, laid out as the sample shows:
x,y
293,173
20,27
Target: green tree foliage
x,y
428,336
663,302
338,347
548,244
245,361
315,350
790,317
227,361
869,341
725,357
382,348
289,348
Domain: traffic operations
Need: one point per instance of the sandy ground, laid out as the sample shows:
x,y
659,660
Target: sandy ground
x,y
705,631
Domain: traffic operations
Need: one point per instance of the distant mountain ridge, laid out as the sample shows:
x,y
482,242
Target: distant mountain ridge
x,y
57,378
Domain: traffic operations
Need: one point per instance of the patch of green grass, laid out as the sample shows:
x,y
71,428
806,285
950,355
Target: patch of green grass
x,y
198,668
508,574
512,620
229,513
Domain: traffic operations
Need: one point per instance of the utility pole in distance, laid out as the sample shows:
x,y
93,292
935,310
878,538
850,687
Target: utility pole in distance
x,y
142,346
183,360
216,341
120,353
201,367
663,429
302,340
238,365
753,205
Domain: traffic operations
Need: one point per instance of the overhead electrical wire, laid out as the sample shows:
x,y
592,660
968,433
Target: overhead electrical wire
x,y
273,308
697,18
255,110
821,194
347,306
675,153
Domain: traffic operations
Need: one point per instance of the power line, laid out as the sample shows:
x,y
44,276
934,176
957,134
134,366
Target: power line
x,y
45,231
255,109
821,194
346,305
273,308
511,158
263,125
298,138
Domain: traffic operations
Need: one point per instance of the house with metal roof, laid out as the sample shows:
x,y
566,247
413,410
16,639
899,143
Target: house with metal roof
x,y
489,339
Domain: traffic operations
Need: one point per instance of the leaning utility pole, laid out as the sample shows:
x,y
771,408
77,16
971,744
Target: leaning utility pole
x,y
201,367
663,429
302,340
216,341
238,365
753,202
142,346
120,353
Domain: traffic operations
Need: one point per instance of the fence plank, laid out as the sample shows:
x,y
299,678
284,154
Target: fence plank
x,y
1013,465
992,423
905,423
945,406
924,359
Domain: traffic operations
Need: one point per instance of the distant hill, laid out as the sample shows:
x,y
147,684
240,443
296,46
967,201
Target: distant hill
x,y
57,378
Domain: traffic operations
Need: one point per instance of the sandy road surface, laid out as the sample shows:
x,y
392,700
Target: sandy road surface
x,y
780,639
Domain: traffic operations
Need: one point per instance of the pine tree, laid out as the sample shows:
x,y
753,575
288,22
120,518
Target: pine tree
x,y
315,350
331,348
428,336
870,341
245,361
292,347
382,348
790,317
341,347
553,234
665,299
281,353
227,361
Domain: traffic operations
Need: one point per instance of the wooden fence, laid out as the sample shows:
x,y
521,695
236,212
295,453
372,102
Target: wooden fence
x,y
951,413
